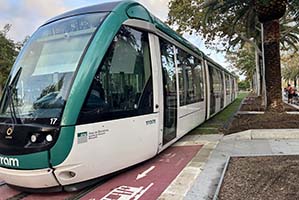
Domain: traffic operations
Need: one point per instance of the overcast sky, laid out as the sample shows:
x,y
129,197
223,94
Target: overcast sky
x,y
27,15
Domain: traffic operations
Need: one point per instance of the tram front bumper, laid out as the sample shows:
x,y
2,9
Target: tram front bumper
x,y
33,179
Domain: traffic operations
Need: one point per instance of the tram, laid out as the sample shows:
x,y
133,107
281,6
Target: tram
x,y
99,89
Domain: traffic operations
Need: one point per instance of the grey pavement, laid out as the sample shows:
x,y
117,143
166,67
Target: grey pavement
x,y
178,189
252,142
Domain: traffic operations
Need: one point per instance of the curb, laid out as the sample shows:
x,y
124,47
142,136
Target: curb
x,y
231,118
251,112
221,178
184,181
264,134
290,104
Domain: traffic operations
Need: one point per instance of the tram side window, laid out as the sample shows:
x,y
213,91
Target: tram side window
x,y
184,63
227,83
215,77
123,85
217,83
198,80
233,88
190,78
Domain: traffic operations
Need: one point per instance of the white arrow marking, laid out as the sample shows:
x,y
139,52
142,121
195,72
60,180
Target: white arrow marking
x,y
144,174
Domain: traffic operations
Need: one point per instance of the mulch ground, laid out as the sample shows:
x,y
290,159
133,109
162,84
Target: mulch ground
x,y
268,120
261,178
254,103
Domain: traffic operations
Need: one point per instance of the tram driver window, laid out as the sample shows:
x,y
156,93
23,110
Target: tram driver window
x,y
123,84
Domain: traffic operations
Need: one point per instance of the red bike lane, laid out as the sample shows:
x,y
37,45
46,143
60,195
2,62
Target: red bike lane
x,y
145,181
148,180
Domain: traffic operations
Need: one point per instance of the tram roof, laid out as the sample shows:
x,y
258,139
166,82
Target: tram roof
x,y
115,5
103,7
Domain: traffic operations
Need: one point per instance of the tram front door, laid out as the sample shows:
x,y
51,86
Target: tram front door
x,y
170,107
169,91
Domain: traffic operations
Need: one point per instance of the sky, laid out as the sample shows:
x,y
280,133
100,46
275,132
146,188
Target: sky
x,y
27,15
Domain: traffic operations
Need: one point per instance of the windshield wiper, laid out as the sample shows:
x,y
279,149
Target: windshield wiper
x,y
9,90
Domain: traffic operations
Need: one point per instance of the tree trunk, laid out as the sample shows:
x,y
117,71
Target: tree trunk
x,y
295,82
272,66
258,69
261,74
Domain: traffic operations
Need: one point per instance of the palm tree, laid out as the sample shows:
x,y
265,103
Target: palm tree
x,y
269,12
235,22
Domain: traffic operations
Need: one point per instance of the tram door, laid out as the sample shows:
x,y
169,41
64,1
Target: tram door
x,y
222,89
169,91
212,91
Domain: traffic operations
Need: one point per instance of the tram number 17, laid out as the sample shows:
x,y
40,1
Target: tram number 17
x,y
53,121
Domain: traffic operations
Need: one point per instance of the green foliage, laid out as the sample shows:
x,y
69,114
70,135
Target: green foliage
x,y
226,24
8,53
244,60
244,85
225,21
264,2
290,66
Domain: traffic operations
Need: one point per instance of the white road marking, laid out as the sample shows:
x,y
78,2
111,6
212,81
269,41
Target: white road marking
x,y
144,174
127,193
143,191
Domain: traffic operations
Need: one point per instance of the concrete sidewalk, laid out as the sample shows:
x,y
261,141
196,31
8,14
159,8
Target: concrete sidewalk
x,y
179,188
251,142
200,179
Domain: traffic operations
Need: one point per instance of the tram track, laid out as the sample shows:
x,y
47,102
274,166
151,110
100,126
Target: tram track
x,y
2,183
97,184
83,192
19,196
76,196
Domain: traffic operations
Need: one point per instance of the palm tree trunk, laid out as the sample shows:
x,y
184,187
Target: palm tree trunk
x,y
272,66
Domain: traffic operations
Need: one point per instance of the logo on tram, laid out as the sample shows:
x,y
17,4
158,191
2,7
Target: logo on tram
x,y
9,131
11,162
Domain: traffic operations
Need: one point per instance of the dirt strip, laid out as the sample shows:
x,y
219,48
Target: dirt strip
x,y
261,177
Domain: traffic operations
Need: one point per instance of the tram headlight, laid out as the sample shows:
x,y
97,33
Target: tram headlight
x,y
37,138
49,138
41,139
33,138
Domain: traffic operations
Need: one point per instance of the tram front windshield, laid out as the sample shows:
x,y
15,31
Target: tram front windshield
x,y
41,78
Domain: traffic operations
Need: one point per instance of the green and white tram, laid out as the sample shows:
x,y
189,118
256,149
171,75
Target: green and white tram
x,y
99,89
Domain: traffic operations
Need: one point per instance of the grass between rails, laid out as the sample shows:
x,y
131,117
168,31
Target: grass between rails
x,y
213,125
